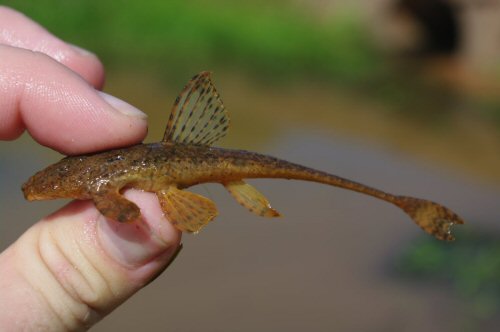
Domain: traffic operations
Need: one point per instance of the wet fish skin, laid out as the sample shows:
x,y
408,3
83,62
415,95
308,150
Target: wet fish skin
x,y
185,158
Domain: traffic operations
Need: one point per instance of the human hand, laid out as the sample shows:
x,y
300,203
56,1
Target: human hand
x,y
72,268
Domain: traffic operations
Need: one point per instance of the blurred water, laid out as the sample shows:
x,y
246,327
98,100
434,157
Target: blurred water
x,y
320,267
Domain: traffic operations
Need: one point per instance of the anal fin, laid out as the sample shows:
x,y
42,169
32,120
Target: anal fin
x,y
251,198
187,211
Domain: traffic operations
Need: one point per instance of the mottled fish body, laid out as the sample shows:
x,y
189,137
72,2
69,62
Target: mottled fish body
x,y
185,158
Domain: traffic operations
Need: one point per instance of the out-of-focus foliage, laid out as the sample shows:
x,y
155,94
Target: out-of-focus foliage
x,y
270,40
471,265
266,38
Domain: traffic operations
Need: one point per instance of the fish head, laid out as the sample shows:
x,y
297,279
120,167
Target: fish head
x,y
55,181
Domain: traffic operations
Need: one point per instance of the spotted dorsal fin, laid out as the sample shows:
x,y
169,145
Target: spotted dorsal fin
x,y
198,115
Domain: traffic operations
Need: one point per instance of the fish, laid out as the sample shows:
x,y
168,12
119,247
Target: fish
x,y
186,157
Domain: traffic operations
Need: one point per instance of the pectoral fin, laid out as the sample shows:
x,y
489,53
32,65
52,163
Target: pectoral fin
x,y
250,198
186,211
114,206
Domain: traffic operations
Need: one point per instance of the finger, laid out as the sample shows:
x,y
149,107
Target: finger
x,y
71,269
60,109
19,31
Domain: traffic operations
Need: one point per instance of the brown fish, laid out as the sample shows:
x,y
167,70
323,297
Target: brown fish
x,y
185,158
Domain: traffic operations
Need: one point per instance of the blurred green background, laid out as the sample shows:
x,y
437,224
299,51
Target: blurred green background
x,y
365,89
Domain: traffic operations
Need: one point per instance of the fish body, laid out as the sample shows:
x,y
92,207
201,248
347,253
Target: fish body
x,y
185,158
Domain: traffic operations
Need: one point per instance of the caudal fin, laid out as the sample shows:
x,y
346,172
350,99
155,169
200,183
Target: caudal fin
x,y
433,218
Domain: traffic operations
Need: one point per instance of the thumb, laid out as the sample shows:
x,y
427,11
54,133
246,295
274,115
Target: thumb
x,y
74,267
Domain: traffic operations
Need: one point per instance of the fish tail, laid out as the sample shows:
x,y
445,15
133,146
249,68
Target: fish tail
x,y
433,218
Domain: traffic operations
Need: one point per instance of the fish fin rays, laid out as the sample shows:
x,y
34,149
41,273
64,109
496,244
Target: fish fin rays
x,y
198,115
251,198
187,211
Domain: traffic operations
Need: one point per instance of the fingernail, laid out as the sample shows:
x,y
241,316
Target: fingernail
x,y
174,256
122,107
130,244
82,51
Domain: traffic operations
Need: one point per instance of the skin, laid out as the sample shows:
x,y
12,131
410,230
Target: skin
x,y
72,268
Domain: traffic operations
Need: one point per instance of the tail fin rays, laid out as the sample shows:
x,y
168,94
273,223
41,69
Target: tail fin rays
x,y
433,218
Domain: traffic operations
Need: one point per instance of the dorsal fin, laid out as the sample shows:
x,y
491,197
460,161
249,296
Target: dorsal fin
x,y
198,115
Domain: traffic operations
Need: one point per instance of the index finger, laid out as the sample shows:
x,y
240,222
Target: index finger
x,y
59,108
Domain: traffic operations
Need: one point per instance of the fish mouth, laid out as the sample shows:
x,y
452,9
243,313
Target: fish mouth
x,y
28,192
30,196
